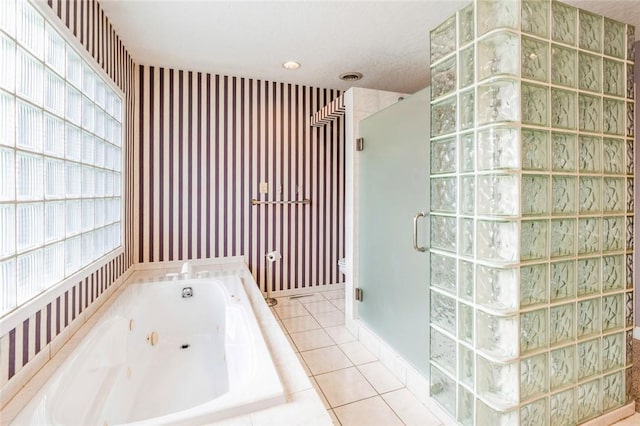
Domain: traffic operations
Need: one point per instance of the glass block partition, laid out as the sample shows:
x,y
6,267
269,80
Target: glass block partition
x,y
532,205
60,157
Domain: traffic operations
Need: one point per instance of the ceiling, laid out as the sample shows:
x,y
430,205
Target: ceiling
x,y
387,41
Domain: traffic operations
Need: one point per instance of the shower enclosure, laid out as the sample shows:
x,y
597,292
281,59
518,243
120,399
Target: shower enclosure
x,y
531,252
393,189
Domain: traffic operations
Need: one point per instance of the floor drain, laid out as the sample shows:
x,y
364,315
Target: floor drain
x,y
185,346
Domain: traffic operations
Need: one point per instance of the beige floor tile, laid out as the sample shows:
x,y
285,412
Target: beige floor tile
x,y
290,311
289,414
285,301
334,419
338,303
309,297
328,319
340,334
409,409
298,324
369,412
326,359
380,377
357,353
344,386
311,339
333,294
319,307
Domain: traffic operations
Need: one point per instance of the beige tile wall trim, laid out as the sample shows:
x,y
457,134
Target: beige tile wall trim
x,y
613,416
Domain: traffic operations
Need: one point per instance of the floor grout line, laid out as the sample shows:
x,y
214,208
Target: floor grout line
x,y
353,365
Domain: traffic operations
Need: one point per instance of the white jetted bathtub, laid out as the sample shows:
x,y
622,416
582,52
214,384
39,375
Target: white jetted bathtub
x,y
183,351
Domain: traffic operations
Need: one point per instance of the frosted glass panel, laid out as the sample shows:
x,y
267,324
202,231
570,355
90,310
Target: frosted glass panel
x,y
74,69
73,105
395,148
7,230
88,114
30,29
7,63
29,226
7,285
54,50
54,136
99,122
30,275
73,143
88,81
29,127
73,180
74,212
54,91
7,175
52,264
100,93
87,181
99,154
87,215
88,148
73,255
29,72
54,179
29,177
7,119
8,16
54,220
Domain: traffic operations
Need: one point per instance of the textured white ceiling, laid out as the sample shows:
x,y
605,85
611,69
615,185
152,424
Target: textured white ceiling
x,y
387,41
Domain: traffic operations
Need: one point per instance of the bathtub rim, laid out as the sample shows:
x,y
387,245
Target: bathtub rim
x,y
302,401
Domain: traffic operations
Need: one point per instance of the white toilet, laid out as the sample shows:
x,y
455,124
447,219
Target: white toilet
x,y
342,265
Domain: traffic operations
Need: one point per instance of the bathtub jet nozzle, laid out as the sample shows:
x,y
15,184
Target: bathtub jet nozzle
x,y
187,292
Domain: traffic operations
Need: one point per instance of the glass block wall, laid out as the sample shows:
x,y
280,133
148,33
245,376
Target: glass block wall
x,y
60,157
531,287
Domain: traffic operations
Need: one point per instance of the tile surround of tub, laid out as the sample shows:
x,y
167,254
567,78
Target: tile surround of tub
x,y
355,386
303,405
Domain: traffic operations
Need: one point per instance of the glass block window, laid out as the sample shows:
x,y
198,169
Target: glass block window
x,y
60,202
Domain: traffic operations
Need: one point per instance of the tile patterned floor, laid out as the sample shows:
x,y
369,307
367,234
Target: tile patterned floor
x,y
356,388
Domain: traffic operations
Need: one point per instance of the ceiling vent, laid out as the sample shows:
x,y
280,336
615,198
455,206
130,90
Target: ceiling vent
x,y
351,76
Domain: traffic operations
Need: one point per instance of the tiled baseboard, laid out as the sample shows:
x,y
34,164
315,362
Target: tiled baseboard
x,y
419,385
401,369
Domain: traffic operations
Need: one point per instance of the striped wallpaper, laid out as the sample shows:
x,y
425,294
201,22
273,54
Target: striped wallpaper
x,y
204,144
87,21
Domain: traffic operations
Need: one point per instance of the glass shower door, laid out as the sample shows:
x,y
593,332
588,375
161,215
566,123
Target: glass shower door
x,y
393,190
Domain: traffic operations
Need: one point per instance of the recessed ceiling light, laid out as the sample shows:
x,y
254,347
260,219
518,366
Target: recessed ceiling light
x,y
351,76
291,65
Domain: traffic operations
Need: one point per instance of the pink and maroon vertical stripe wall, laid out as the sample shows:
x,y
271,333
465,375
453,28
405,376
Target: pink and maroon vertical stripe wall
x,y
204,144
30,339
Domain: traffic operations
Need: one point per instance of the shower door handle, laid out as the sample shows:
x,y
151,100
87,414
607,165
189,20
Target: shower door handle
x,y
416,247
